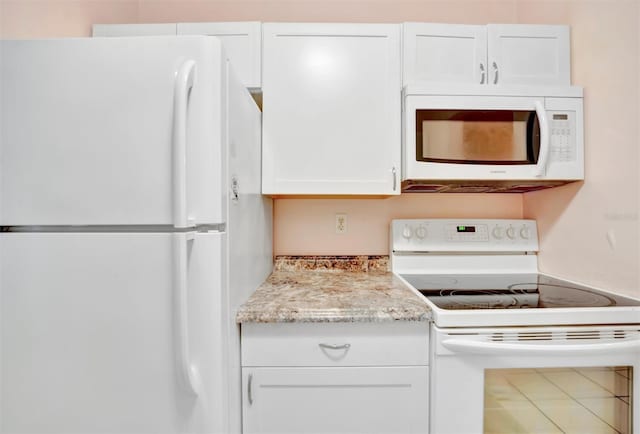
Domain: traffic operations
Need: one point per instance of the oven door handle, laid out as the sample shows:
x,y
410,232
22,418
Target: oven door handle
x,y
495,348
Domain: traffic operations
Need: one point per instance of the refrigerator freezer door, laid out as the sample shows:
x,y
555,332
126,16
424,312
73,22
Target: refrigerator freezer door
x,y
112,131
98,330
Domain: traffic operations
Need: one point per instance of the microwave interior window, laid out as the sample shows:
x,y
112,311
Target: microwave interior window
x,y
477,136
558,400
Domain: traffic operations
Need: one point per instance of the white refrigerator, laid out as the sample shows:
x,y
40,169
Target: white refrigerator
x,y
132,227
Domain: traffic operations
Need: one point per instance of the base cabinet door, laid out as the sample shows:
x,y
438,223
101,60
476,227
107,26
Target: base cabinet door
x,y
335,400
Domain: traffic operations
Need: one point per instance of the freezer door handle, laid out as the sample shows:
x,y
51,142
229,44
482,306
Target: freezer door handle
x,y
183,84
187,372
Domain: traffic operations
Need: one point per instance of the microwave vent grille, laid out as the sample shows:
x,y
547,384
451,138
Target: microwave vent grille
x,y
476,186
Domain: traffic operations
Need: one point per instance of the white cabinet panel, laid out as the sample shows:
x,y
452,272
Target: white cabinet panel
x,y
331,100
89,326
336,400
446,53
497,54
529,54
242,42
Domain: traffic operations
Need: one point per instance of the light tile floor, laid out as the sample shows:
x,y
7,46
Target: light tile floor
x,y
559,400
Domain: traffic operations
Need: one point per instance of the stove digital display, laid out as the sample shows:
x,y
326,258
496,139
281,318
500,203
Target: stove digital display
x,y
460,229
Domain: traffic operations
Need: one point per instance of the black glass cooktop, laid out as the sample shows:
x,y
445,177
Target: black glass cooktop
x,y
509,291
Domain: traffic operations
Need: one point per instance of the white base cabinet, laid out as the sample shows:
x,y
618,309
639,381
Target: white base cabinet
x,y
335,378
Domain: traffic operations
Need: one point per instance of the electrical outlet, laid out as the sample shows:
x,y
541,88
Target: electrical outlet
x,y
341,223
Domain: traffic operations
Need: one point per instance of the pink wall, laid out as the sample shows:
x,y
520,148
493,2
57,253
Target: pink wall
x,y
61,18
590,233
307,226
574,220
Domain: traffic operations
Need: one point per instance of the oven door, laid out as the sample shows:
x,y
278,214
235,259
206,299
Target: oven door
x,y
535,380
490,138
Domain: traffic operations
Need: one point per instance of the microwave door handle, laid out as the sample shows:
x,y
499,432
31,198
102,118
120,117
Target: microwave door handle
x,y
526,349
543,157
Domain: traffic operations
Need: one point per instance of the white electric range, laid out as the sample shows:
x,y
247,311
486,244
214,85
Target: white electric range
x,y
497,320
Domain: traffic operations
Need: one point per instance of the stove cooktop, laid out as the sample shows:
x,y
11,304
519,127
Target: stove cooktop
x,y
509,291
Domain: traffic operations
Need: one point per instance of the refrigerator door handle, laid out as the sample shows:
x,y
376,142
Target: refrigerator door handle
x,y
183,84
188,373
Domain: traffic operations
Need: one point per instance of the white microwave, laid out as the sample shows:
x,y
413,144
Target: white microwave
x,y
474,139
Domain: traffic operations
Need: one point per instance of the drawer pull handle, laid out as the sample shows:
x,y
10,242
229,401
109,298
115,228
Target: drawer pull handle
x,y
250,389
335,347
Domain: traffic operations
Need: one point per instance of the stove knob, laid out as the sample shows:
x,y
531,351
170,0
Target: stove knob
x,y
498,232
421,232
525,232
511,232
406,232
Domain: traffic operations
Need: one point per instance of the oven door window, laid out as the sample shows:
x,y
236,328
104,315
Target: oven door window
x,y
477,136
562,400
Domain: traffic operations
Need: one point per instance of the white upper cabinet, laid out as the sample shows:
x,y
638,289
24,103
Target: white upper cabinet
x,y
241,41
497,54
447,53
529,54
331,109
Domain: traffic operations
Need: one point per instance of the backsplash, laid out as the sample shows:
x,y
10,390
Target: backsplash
x,y
359,263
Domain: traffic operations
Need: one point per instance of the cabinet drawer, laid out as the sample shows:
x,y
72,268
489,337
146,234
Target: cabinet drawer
x,y
374,400
335,344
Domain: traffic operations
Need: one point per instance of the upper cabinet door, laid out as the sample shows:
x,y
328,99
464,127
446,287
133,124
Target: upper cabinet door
x,y
529,54
498,54
331,109
242,42
444,53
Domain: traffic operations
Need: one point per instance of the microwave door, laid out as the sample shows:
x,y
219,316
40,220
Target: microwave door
x,y
467,138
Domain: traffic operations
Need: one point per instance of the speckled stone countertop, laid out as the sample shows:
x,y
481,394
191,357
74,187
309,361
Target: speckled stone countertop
x,y
332,289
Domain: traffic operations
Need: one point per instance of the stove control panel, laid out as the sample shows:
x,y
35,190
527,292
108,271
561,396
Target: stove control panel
x,y
464,235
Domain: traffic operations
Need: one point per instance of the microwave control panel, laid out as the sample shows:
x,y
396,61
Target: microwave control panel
x,y
562,143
